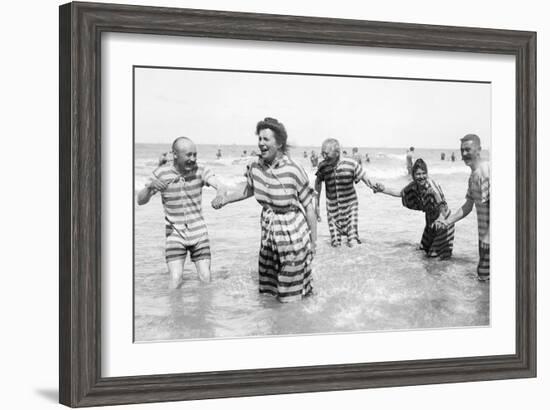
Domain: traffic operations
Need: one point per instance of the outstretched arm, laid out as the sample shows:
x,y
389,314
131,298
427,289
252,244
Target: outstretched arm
x,y
388,191
224,197
368,182
461,212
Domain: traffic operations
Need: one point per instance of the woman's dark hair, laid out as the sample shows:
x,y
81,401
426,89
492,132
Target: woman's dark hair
x,y
419,163
278,129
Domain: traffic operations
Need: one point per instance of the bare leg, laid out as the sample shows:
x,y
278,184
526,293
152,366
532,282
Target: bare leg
x,y
203,269
176,272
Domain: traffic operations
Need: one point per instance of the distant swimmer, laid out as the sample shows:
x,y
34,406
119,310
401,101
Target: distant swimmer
x,y
367,158
344,152
453,158
409,160
442,156
164,158
219,154
305,154
244,154
356,156
180,184
340,175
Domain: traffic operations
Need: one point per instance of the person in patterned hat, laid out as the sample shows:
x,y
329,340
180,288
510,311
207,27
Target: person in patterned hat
x,y
288,224
424,194
340,174
180,184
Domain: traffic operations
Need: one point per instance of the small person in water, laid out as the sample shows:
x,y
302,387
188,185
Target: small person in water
x,y
424,194
219,154
339,175
356,156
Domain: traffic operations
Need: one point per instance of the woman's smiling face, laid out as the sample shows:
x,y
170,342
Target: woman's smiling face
x,y
420,177
267,143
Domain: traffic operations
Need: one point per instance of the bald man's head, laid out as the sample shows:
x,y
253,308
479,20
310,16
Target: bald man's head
x,y
185,153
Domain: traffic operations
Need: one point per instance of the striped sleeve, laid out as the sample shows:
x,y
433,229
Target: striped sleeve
x,y
359,172
303,187
206,175
248,176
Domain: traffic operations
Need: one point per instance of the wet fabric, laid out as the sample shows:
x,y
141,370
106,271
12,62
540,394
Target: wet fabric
x,y
286,255
341,198
431,201
479,191
182,202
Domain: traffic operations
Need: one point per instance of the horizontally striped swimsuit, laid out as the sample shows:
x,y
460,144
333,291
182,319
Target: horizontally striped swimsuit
x,y
432,202
342,203
285,258
182,201
479,190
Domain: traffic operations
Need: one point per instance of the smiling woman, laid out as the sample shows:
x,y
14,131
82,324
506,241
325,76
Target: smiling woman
x,y
289,225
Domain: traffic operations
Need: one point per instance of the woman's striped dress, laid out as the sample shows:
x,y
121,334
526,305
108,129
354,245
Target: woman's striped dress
x,y
342,203
284,192
432,202
479,191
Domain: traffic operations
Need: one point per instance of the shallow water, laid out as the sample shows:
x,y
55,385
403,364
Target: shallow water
x,y
383,284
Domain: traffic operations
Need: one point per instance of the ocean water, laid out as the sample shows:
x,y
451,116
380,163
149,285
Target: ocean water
x,y
384,284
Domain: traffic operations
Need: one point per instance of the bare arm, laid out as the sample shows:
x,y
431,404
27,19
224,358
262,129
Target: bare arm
x,y
224,197
389,191
312,223
367,182
461,212
318,189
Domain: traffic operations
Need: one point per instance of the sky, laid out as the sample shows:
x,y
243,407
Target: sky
x,y
222,108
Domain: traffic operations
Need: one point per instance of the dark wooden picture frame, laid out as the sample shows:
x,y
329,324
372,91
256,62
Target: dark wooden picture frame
x,y
81,27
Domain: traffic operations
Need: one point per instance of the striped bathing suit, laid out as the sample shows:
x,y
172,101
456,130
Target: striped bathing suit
x,y
285,251
479,189
185,226
432,202
342,204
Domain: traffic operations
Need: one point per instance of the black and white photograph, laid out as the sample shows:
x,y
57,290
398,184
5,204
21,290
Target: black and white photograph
x,y
284,203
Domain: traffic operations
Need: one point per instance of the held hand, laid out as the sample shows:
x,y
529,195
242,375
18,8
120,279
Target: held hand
x,y
219,201
378,187
157,185
440,225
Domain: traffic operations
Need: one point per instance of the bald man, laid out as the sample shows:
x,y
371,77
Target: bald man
x,y
478,195
339,175
180,183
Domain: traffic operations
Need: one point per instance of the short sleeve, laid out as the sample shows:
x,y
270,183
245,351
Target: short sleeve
x,y
207,175
303,187
358,172
411,198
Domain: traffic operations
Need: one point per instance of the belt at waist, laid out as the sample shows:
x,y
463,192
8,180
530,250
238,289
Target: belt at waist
x,y
281,209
